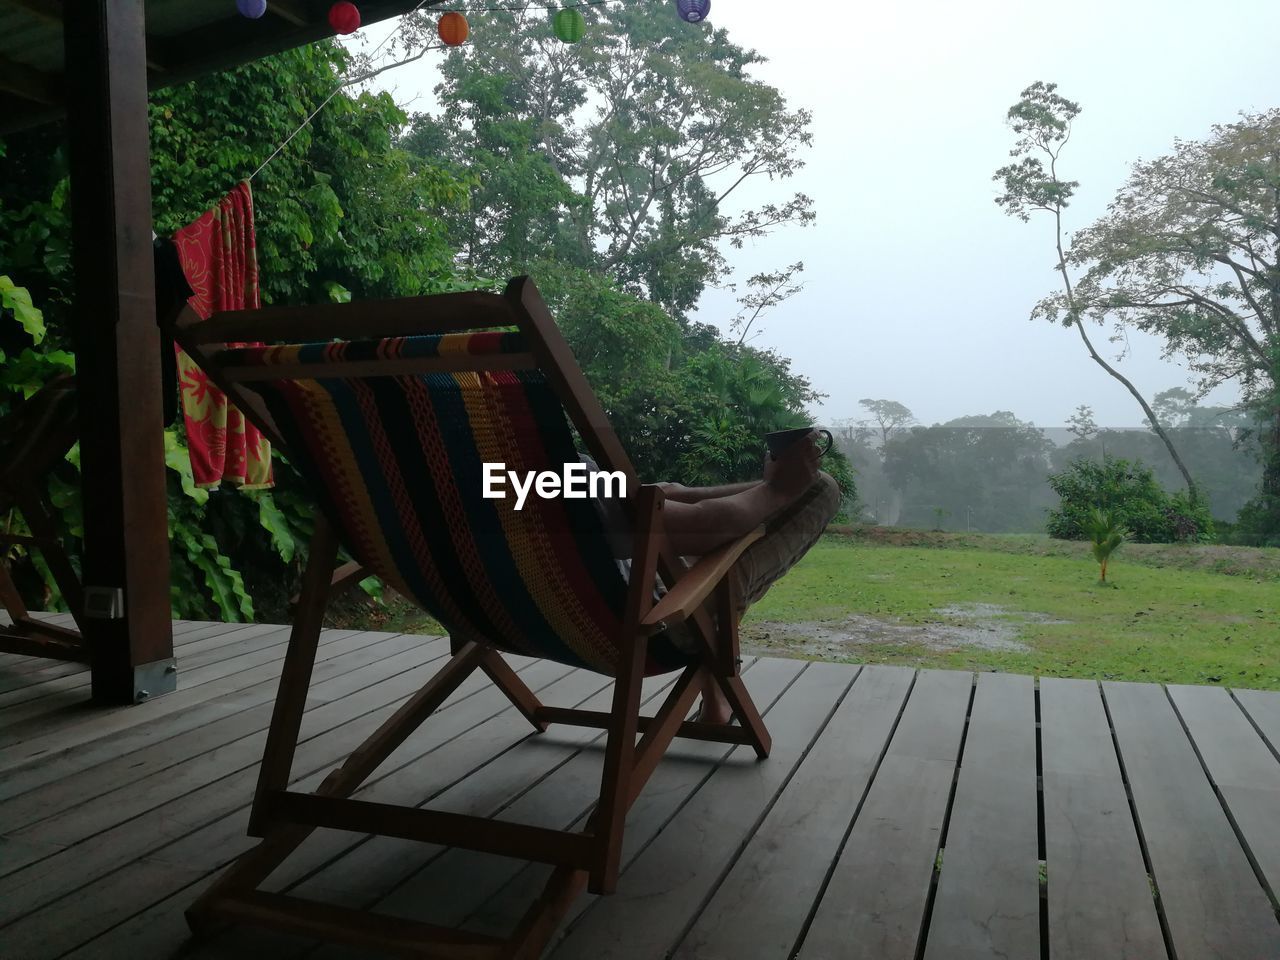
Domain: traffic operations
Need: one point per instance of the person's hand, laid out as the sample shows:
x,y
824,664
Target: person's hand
x,y
796,468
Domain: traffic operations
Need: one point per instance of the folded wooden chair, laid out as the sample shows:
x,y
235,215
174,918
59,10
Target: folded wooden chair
x,y
34,437
389,409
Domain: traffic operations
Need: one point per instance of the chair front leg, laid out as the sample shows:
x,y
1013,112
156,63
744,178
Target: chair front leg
x,y
624,723
726,668
295,678
619,764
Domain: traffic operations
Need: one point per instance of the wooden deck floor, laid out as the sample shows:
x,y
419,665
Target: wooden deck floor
x,y
902,814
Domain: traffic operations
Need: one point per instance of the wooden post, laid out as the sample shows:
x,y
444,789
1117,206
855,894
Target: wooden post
x,y
118,351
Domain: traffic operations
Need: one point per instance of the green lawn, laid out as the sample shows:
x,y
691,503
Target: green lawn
x,y
912,598
1180,614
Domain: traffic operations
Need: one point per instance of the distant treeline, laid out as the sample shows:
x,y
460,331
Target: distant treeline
x,y
990,473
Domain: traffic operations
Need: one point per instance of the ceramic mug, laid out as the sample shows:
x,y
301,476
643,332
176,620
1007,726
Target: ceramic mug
x,y
780,440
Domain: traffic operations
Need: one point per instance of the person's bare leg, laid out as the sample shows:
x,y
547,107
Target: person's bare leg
x,y
714,708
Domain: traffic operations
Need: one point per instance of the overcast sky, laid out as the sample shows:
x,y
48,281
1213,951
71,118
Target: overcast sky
x,y
917,287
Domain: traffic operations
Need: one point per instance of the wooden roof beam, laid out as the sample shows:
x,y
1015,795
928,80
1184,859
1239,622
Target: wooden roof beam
x,y
29,83
50,11
291,10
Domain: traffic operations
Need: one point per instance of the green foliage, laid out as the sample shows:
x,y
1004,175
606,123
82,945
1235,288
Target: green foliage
x,y
689,404
1187,252
1104,533
341,212
1130,493
17,301
1042,122
624,154
1258,524
340,208
518,178
1213,441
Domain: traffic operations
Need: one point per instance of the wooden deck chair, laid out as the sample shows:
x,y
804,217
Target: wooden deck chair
x,y
389,409
34,437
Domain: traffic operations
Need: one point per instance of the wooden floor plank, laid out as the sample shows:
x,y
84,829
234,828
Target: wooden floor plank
x,y
195,850
1212,902
1099,897
1263,708
687,766
390,875
159,726
159,930
559,801
207,755
875,901
1242,767
164,787
359,870
64,702
16,679
215,680
346,673
50,706
69,705
666,884
208,791
758,908
19,677
17,673
988,896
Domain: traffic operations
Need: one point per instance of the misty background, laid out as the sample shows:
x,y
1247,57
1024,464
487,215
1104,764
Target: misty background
x,y
917,288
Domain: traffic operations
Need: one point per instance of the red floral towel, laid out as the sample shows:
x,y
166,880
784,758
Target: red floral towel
x,y
218,256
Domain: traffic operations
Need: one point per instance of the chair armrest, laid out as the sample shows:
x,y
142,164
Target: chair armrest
x,y
699,580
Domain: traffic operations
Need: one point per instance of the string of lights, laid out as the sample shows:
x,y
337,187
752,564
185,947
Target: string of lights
x,y
453,29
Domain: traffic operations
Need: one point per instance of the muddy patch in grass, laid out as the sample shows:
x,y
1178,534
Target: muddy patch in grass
x,y
974,626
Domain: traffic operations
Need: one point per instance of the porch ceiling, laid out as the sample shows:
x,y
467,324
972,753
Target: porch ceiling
x,y
185,39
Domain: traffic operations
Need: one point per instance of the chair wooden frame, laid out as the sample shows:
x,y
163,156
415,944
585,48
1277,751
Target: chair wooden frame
x,y
699,596
34,442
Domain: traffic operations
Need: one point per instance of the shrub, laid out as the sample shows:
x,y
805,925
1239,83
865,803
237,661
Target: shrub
x,y
1258,524
1130,493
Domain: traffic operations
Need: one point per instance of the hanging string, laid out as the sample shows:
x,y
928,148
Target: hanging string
x,y
323,103
522,8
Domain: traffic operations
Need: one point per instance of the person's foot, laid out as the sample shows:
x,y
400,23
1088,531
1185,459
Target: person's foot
x,y
714,708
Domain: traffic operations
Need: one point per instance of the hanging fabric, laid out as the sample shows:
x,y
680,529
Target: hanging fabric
x,y
218,256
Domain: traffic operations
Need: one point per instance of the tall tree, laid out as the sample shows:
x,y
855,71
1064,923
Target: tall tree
x,y
1189,251
1042,122
886,417
627,153
1081,424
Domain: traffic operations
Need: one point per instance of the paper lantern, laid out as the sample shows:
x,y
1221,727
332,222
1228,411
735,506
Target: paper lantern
x,y
344,17
693,11
252,9
453,28
569,26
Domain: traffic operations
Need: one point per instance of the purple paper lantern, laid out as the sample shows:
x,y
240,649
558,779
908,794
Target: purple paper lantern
x,y
693,11
252,9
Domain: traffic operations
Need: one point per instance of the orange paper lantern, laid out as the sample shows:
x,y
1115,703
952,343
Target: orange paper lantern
x,y
453,28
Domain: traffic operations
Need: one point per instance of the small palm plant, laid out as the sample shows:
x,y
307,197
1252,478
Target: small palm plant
x,y
1105,533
